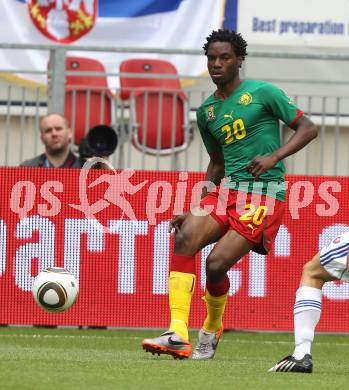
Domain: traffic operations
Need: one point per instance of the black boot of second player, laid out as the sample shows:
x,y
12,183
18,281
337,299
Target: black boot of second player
x,y
291,364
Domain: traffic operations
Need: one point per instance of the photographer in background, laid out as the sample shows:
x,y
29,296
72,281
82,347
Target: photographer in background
x,y
56,135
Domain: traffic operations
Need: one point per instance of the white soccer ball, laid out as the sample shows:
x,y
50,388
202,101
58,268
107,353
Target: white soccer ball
x,y
55,289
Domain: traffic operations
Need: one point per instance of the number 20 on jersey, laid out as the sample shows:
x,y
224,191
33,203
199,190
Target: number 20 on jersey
x,y
235,131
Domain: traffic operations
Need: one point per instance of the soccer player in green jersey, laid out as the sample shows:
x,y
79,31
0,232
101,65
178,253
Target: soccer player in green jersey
x,y
239,125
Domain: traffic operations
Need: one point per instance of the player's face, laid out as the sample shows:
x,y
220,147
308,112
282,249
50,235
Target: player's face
x,y
55,134
222,63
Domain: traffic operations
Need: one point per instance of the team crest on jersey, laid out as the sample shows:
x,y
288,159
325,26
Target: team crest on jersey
x,y
63,21
337,240
210,113
245,99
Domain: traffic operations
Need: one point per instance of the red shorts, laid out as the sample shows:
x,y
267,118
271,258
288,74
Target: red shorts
x,y
256,217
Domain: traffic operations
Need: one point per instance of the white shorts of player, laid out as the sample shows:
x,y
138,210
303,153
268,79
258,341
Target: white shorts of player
x,y
334,257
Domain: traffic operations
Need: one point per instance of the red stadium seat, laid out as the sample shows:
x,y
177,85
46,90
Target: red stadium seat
x,y
148,67
88,100
159,107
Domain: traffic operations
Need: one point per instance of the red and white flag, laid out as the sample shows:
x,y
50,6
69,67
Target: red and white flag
x,y
63,21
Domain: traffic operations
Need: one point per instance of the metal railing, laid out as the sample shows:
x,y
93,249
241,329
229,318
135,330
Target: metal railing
x,y
327,103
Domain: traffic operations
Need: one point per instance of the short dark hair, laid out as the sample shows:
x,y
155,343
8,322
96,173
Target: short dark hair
x,y
66,123
223,35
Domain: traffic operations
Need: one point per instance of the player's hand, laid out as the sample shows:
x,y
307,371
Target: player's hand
x,y
261,164
176,222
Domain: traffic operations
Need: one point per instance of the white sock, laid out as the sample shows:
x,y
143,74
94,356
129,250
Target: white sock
x,y
307,312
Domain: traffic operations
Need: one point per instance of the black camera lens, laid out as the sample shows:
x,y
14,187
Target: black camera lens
x,y
100,141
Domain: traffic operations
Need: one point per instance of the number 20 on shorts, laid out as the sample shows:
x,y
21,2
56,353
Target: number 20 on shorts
x,y
256,216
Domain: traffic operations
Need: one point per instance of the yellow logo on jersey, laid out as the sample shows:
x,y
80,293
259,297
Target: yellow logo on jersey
x,y
229,116
210,113
245,99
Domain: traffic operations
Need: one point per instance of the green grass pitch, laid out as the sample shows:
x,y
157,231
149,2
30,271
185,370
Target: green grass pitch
x,y
41,358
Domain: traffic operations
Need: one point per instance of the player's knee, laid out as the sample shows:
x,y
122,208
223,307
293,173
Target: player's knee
x,y
184,242
214,266
309,271
314,275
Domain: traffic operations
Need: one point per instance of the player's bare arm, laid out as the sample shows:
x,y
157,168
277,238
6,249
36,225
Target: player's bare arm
x,y
305,131
214,174
215,170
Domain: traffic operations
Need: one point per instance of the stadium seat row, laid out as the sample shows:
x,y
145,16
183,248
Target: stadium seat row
x,y
158,106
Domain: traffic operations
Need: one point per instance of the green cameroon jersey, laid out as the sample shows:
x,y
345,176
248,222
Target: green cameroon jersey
x,y
244,125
